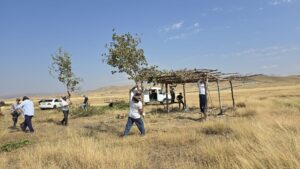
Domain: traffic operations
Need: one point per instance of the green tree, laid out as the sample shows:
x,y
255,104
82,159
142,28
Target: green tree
x,y
61,68
125,56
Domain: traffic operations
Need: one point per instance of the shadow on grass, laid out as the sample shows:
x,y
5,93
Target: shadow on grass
x,y
191,118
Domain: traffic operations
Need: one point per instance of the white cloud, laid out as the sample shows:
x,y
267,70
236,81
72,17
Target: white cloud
x,y
175,26
260,9
279,2
180,31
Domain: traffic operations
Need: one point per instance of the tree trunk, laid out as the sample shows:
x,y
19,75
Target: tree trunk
x,y
232,94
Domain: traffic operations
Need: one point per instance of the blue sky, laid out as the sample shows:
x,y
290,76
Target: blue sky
x,y
257,36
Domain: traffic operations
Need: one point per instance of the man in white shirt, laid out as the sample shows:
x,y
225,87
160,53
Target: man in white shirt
x,y
202,97
135,112
27,108
65,109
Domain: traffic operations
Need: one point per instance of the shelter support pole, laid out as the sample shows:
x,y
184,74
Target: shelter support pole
x,y
219,94
232,94
206,98
167,97
183,85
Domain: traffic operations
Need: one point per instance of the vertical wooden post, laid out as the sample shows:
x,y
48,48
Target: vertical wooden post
x,y
183,85
232,95
220,102
206,98
167,96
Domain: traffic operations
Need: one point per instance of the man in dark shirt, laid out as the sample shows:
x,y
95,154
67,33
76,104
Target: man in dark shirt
x,y
85,102
180,101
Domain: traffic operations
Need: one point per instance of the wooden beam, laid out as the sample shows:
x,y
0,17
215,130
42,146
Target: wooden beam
x,y
167,102
183,85
232,94
220,102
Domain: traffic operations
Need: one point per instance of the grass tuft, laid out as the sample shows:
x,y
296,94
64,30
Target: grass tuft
x,y
217,129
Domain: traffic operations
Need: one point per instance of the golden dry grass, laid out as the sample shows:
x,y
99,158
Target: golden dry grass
x,y
264,134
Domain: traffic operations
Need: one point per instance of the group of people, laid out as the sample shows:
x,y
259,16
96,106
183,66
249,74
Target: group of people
x,y
136,107
26,109
202,97
136,112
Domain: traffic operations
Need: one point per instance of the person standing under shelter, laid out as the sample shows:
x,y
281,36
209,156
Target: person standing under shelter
x,y
172,92
180,101
15,113
202,97
135,112
27,108
65,109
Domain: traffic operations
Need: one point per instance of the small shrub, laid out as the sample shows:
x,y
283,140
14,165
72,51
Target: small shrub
x,y
90,111
217,129
241,104
14,145
121,105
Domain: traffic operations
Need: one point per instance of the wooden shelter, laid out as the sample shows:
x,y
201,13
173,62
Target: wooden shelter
x,y
193,76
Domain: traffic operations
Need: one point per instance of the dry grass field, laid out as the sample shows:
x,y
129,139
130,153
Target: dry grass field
x,y
265,133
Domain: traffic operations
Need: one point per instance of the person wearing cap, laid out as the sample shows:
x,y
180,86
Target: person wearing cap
x,y
15,113
65,109
135,112
27,108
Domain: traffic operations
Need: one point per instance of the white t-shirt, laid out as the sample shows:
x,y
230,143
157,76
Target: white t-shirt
x,y
134,108
65,105
201,87
27,107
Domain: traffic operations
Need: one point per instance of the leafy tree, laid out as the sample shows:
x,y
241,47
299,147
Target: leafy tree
x,y
124,55
61,68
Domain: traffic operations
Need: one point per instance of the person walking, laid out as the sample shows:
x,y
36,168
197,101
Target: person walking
x,y
202,97
65,109
135,112
27,108
15,113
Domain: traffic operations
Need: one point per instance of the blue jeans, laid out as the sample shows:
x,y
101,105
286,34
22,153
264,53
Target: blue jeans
x,y
27,123
139,123
202,100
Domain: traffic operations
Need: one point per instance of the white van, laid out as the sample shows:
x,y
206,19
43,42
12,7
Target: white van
x,y
155,94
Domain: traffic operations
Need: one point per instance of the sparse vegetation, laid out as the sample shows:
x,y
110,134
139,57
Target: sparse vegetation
x,y
8,147
265,134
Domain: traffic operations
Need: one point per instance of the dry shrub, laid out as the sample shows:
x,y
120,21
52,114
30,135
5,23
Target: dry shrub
x,y
217,129
247,113
241,105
